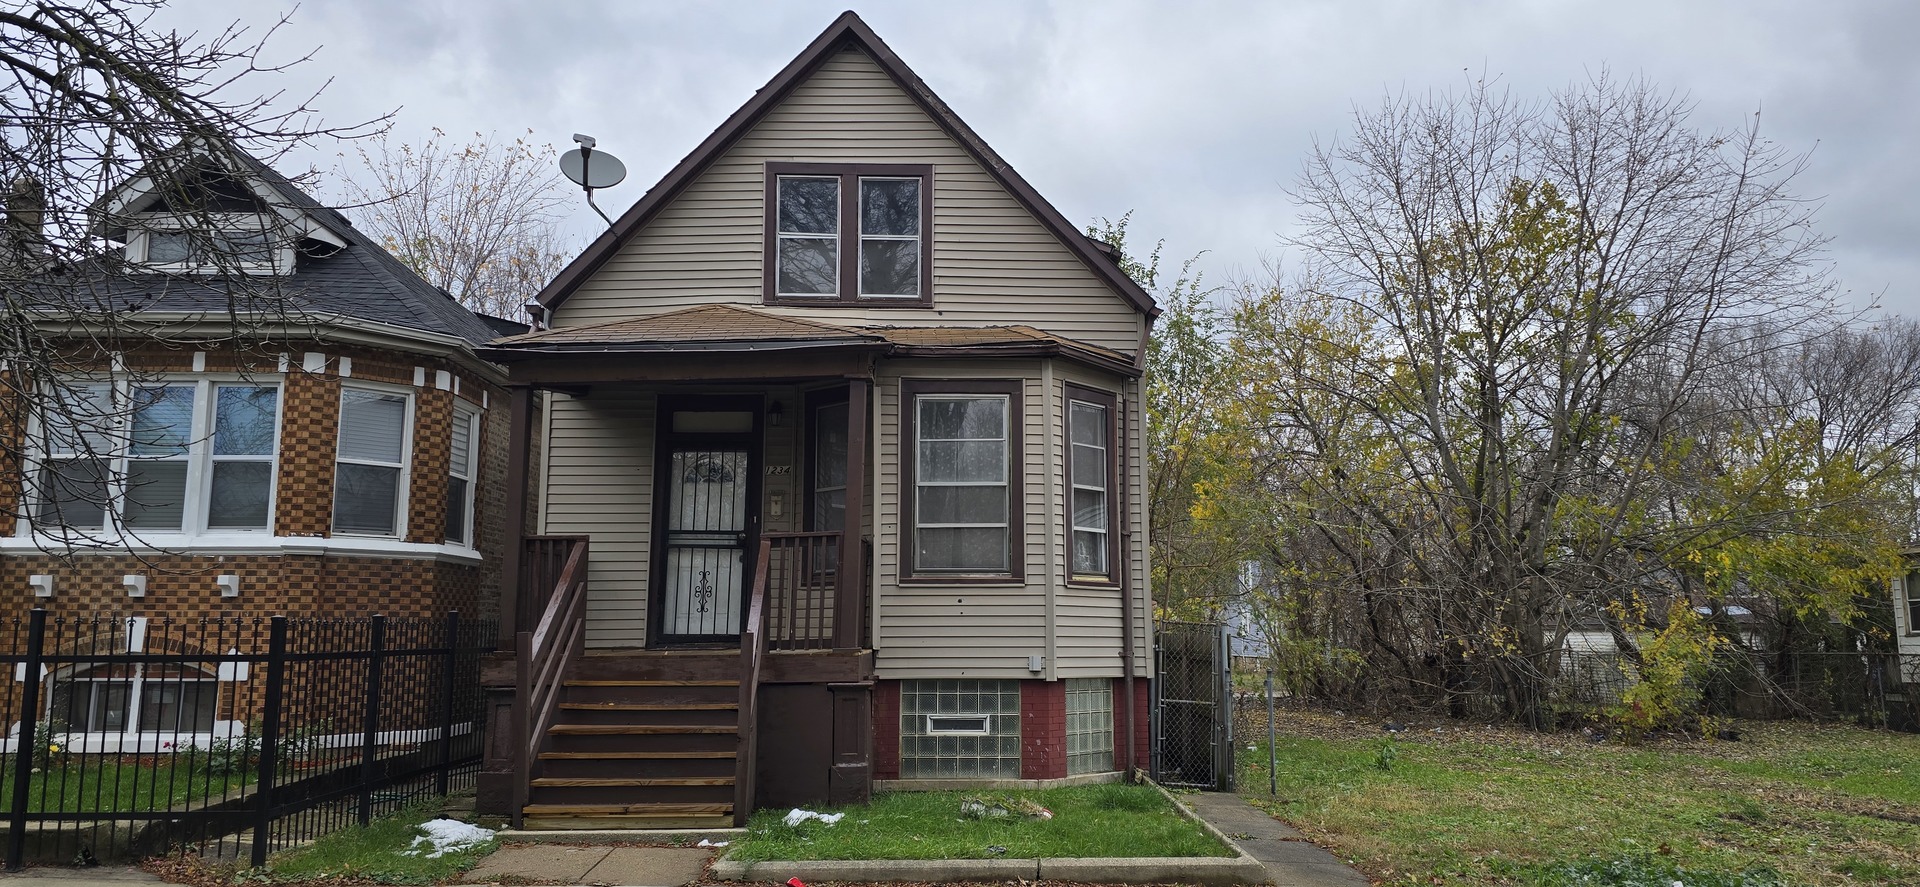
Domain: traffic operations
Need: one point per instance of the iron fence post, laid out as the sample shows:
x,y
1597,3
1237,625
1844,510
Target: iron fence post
x,y
375,664
269,741
447,687
25,745
1273,756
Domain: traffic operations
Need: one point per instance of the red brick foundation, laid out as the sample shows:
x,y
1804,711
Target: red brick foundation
x,y
886,730
1142,731
1043,729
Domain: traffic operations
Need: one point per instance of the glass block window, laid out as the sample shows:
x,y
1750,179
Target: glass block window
x,y
1089,726
942,734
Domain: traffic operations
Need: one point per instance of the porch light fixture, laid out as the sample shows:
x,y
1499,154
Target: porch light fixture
x,y
776,414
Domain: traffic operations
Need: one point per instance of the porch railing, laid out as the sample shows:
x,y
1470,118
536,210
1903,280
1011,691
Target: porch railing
x,y
753,651
541,561
541,658
803,576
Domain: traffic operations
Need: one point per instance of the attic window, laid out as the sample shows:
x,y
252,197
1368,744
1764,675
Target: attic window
x,y
849,234
230,245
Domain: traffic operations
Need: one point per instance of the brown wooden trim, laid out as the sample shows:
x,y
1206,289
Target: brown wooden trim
x,y
847,30
812,402
1111,402
592,369
816,667
850,596
519,458
1020,349
848,234
1015,389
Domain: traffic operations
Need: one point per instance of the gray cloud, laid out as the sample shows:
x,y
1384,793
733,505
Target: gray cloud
x,y
1195,116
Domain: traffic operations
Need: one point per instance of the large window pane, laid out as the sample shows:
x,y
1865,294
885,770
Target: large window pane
x,y
457,510
947,418
156,495
162,420
963,505
241,492
372,426
183,706
73,493
809,205
981,549
243,420
79,419
168,247
809,266
890,267
890,207
364,499
963,461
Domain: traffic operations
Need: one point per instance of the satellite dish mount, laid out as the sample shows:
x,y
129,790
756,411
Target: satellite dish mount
x,y
589,170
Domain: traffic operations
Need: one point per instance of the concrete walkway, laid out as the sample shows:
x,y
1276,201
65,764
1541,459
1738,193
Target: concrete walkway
x,y
1291,859
575,864
97,876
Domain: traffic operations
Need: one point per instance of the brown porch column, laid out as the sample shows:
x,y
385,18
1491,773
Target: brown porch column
x,y
850,595
519,455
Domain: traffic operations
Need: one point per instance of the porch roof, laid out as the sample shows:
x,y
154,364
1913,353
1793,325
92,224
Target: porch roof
x,y
731,328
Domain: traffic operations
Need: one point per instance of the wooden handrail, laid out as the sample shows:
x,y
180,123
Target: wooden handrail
x,y
541,658
803,578
753,651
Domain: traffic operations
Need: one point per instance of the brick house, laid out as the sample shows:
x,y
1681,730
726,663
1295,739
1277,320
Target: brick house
x,y
346,458
841,481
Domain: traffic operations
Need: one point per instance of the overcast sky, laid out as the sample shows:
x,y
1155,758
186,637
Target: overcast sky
x,y
1194,116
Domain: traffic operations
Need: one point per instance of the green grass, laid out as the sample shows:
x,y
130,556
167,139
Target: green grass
x,y
1088,821
375,853
1791,804
103,783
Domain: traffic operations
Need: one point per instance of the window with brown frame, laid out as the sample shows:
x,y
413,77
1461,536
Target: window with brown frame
x,y
1091,508
849,234
962,484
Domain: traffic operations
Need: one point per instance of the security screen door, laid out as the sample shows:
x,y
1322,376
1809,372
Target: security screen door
x,y
706,526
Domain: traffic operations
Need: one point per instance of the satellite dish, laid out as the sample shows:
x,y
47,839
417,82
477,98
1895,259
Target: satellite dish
x,y
592,169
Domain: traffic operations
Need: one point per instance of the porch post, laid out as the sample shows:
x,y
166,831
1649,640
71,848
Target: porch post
x,y
849,616
519,455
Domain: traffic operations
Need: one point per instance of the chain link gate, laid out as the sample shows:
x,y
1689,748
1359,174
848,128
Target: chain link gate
x,y
1193,706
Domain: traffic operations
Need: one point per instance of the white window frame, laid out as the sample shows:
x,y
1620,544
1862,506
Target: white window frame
x,y
143,226
403,486
985,728
136,700
199,457
860,217
462,412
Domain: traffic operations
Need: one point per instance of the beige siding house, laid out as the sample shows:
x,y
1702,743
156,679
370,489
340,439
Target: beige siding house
x,y
839,441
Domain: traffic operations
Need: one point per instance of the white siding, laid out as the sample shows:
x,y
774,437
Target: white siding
x,y
993,263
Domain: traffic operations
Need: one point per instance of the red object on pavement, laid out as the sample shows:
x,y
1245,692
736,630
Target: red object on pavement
x,y
796,882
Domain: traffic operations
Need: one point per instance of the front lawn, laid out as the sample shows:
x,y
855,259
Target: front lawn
x,y
1789,804
1088,821
109,783
383,852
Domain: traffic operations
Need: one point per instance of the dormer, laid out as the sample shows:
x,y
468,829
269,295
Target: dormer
x,y
203,211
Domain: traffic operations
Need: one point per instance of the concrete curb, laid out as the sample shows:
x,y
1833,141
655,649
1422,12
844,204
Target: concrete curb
x,y
664,837
1212,871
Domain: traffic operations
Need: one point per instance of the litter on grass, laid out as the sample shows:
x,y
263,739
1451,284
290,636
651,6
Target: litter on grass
x,y
798,816
445,836
988,807
705,842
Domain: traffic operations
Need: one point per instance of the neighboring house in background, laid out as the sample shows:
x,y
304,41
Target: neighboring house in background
x,y
347,460
1905,594
844,369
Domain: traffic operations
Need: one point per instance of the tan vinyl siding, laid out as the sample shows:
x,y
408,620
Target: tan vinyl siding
x,y
993,263
599,471
1087,619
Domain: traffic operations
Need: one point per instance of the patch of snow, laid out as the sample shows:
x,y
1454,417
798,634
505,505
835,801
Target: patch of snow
x,y
445,836
704,842
798,816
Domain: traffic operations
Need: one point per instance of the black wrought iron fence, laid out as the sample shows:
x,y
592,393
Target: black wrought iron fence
x,y
129,736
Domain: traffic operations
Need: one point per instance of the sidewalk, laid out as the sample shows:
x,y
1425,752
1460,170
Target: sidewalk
x,y
1291,859
97,876
576,864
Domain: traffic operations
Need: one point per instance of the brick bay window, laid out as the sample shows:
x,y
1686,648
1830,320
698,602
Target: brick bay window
x,y
462,456
1090,472
849,234
370,476
963,480
161,457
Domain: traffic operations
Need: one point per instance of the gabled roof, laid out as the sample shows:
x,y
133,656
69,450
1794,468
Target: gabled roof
x,y
355,278
847,30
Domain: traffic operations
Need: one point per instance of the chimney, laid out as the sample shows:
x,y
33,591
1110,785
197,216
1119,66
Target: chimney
x,y
26,208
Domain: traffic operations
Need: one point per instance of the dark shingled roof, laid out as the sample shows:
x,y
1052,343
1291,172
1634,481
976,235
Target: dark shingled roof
x,y
361,281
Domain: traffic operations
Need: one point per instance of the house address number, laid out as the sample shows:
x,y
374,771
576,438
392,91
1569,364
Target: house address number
x,y
779,470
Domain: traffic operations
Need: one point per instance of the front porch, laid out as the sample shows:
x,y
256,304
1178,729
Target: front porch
x,y
694,570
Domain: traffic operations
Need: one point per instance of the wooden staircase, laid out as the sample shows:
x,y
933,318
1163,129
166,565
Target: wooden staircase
x,y
641,740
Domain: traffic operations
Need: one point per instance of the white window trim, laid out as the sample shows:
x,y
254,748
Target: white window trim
x,y
1005,483
199,459
463,412
135,701
862,236
1106,492
985,729
145,224
404,486
838,236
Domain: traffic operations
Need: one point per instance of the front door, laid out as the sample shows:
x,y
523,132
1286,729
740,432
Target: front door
x,y
706,519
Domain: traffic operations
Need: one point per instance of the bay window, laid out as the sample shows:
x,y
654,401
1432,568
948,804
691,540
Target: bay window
x,y
963,488
371,467
462,456
848,233
161,457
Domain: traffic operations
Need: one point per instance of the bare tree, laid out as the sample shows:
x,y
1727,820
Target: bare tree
x,y
479,220
93,94
1504,402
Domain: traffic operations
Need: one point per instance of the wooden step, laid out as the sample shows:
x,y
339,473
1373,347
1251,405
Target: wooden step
x,y
638,729
622,782
625,809
650,706
627,816
632,755
652,683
